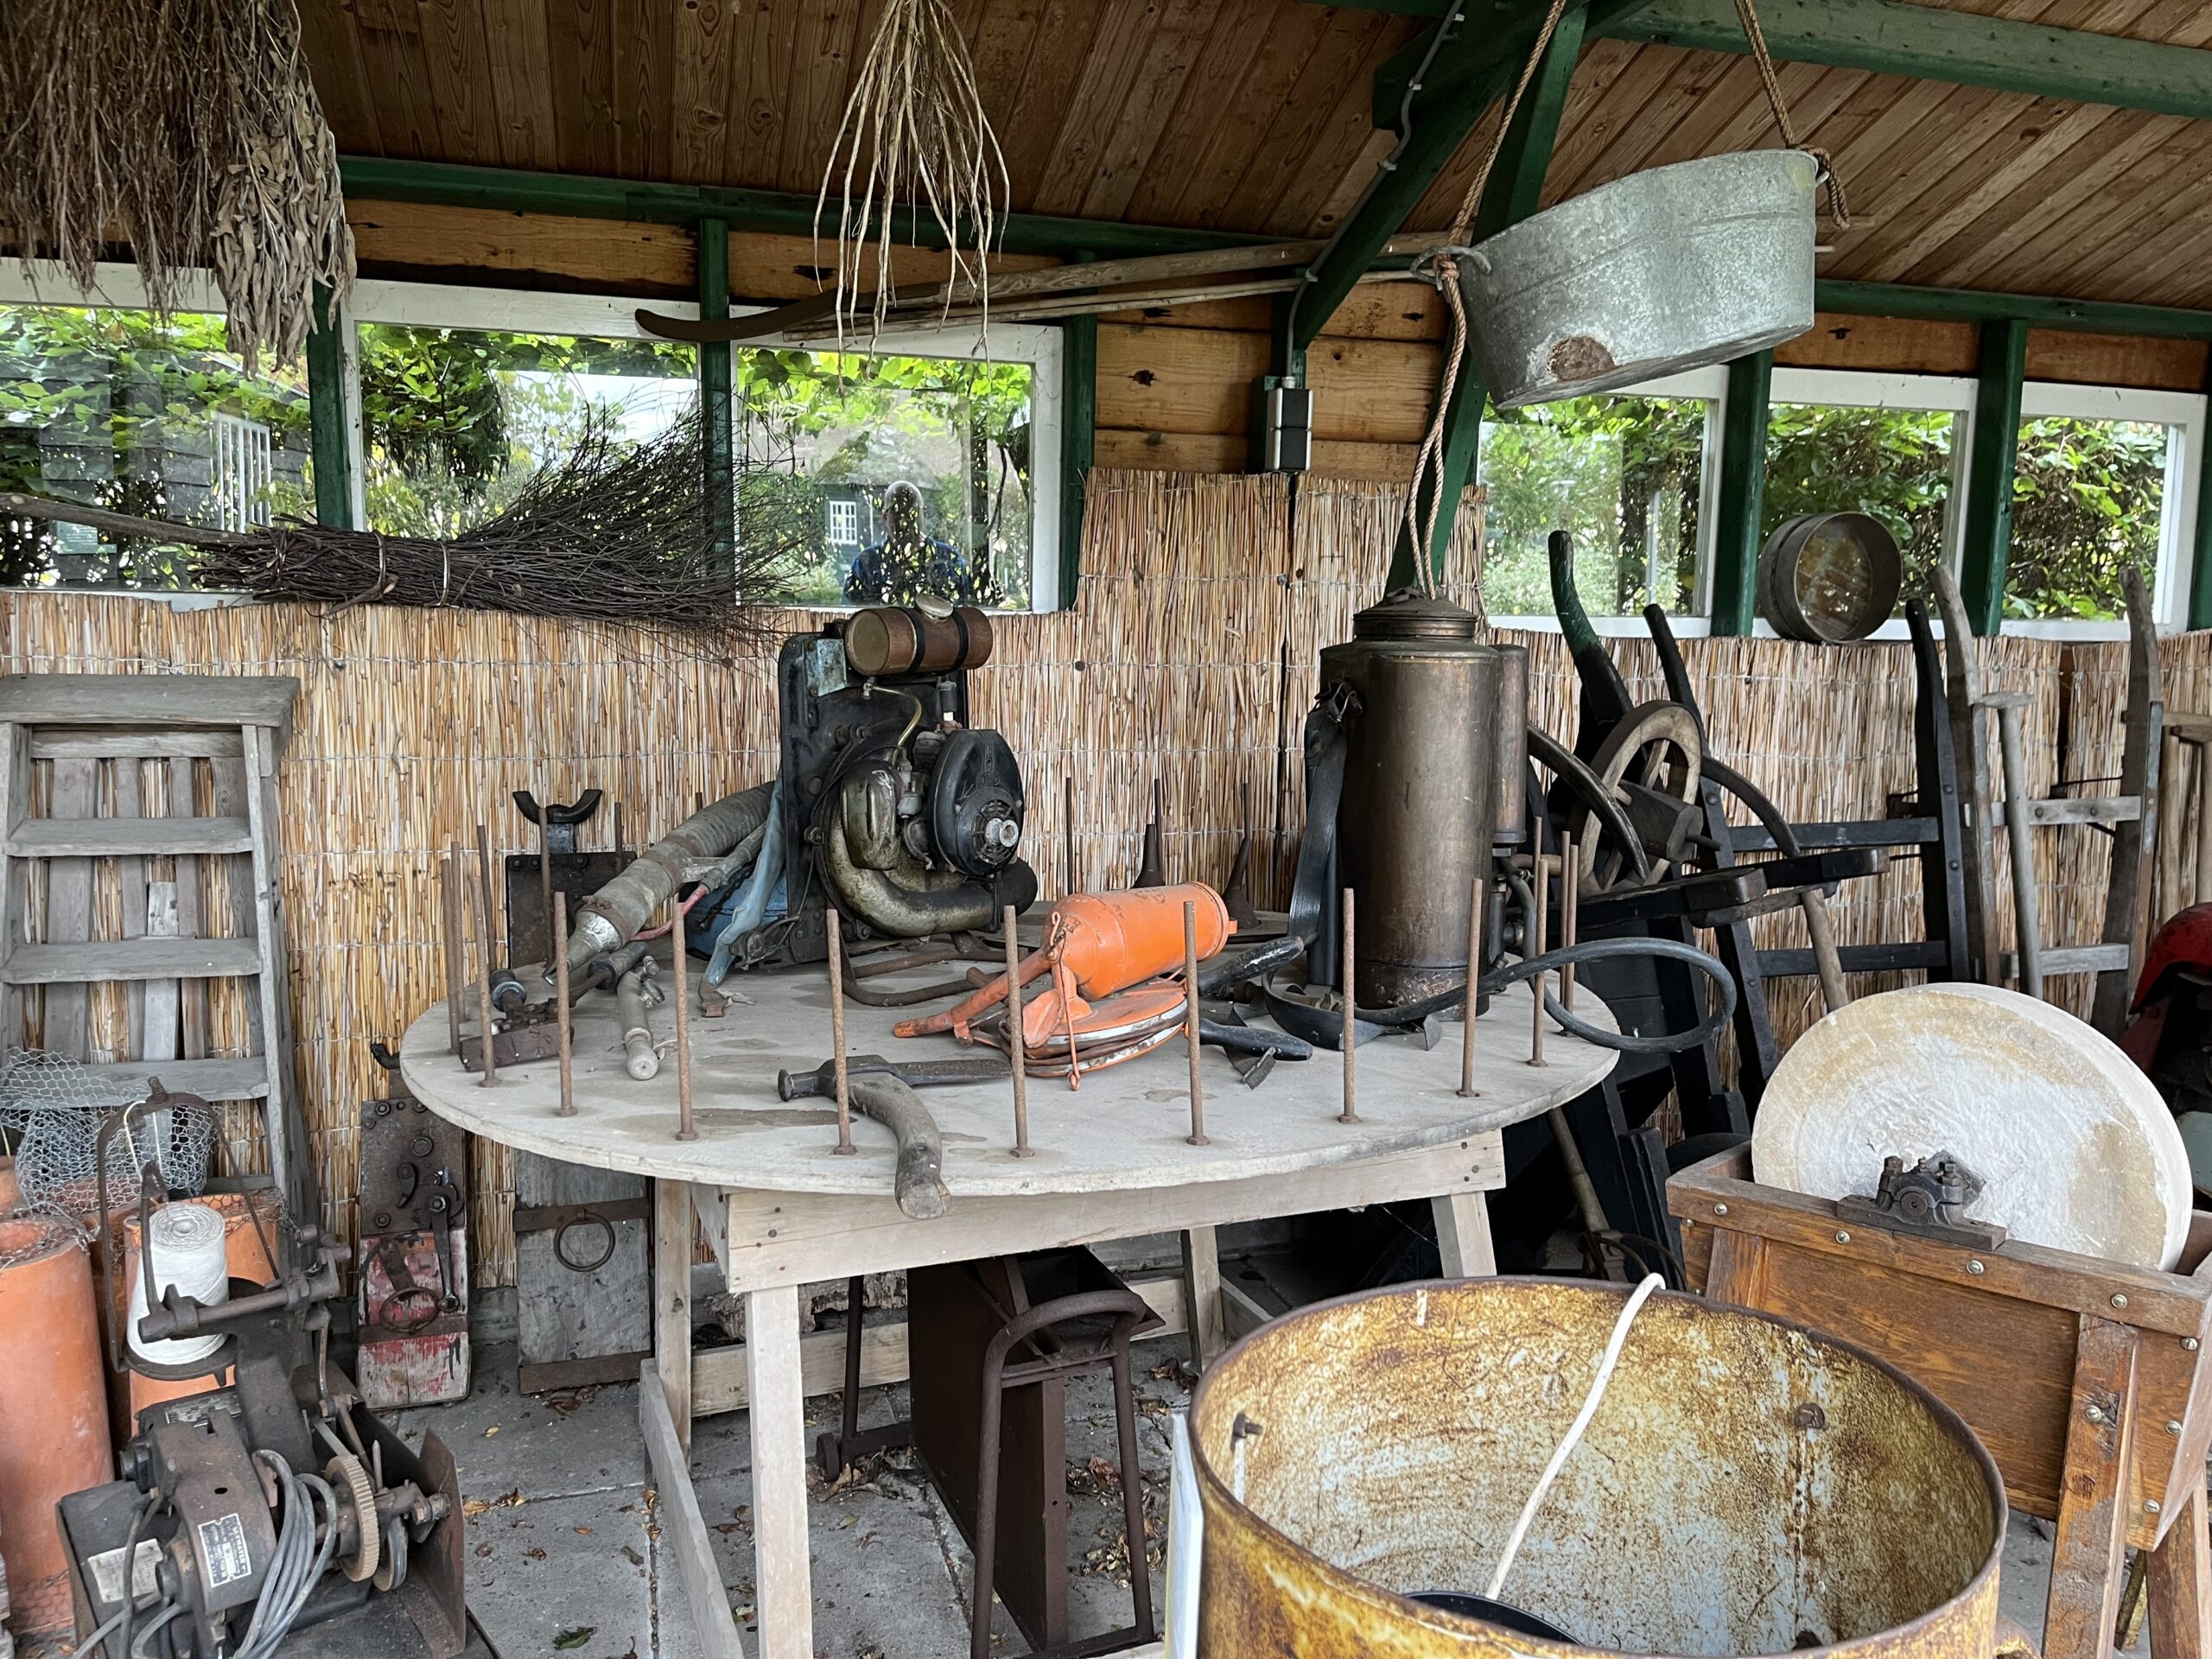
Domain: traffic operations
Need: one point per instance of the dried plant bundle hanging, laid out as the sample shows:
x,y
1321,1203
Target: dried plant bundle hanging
x,y
611,532
189,129
914,136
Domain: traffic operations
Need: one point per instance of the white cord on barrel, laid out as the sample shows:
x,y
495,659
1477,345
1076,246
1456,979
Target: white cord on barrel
x,y
1605,1364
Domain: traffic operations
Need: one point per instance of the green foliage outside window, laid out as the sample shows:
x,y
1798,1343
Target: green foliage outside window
x,y
2087,500
112,408
1894,464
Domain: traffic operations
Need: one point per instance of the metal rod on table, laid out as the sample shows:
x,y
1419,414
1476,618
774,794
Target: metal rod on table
x,y
483,874
545,868
1069,822
556,924
1350,1112
1535,926
1013,1038
1480,886
686,1128
830,921
1197,1136
450,866
484,980
1570,912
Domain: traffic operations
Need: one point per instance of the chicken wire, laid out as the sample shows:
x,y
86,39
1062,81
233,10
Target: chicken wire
x,y
51,1111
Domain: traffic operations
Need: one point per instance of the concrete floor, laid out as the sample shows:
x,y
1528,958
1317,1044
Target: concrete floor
x,y
564,1557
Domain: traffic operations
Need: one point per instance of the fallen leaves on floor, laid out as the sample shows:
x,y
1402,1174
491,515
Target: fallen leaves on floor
x,y
1098,1476
535,1555
628,1553
565,1403
574,1638
473,1507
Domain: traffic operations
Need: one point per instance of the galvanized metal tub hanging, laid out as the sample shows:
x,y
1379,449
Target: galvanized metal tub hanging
x,y
1664,271
1746,1487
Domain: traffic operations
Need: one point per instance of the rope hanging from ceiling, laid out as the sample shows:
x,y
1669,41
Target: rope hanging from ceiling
x,y
189,129
914,136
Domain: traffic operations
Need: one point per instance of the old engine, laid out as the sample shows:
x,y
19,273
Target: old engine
x,y
896,809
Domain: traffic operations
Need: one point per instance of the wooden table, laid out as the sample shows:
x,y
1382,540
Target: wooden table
x,y
782,1210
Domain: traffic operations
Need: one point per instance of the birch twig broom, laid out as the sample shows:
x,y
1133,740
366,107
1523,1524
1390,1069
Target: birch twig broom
x,y
914,136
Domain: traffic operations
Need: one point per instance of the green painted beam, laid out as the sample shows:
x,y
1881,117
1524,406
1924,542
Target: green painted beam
x,y
1743,494
2200,585
330,440
2037,310
1078,438
515,191
1476,63
717,393
1926,42
1996,444
1515,186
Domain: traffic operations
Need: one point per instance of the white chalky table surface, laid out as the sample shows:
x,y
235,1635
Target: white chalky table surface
x,y
783,1210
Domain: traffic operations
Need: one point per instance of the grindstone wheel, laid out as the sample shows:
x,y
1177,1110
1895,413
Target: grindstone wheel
x,y
2073,1147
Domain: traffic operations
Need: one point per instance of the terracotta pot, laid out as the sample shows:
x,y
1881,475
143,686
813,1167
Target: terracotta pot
x,y
52,1410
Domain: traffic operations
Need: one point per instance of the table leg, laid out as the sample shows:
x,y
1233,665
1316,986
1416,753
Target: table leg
x,y
673,1239
2088,1556
1462,1240
2181,1583
783,1583
1202,1296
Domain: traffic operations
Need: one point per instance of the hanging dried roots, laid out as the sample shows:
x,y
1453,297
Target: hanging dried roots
x,y
191,129
914,136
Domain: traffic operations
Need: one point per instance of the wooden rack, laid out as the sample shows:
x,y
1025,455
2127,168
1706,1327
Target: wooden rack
x,y
118,742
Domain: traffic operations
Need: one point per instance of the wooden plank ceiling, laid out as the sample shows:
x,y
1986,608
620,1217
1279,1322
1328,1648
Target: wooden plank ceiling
x,y
1252,116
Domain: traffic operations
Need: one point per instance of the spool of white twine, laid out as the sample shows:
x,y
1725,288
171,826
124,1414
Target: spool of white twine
x,y
188,1252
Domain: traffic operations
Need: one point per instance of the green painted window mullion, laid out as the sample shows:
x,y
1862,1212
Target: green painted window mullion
x,y
1990,464
717,396
330,435
1743,494
1078,438
2200,586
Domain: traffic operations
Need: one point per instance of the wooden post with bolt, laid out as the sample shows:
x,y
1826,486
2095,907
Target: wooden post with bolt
x,y
1197,1136
831,920
1480,886
1349,1039
1014,1048
686,1127
556,923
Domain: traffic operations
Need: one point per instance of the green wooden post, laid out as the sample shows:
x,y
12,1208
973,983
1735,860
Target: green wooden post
x,y
1078,438
1989,472
2200,586
330,437
1515,188
1743,492
717,426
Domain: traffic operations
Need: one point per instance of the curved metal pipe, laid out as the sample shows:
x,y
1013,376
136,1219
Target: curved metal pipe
x,y
907,901
612,917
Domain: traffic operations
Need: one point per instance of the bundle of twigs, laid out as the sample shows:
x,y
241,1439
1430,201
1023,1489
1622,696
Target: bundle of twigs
x,y
916,116
609,533
191,129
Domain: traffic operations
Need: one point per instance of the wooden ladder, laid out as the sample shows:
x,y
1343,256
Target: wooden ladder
x,y
95,752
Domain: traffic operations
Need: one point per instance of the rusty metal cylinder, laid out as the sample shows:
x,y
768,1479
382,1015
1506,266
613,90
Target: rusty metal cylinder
x,y
1509,759
1414,829
52,1408
891,640
1745,1486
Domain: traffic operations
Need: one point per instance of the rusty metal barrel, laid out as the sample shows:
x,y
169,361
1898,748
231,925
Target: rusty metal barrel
x,y
1745,1487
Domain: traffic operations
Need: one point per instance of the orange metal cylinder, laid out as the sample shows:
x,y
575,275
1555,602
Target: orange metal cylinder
x,y
52,1410
1113,940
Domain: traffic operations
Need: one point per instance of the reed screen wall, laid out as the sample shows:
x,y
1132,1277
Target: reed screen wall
x,y
1191,660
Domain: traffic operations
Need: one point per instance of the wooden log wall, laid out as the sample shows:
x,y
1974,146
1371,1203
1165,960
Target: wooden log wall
x,y
412,727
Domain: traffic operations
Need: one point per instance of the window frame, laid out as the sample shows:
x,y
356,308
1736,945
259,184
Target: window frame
x,y
1710,386
2183,415
1038,345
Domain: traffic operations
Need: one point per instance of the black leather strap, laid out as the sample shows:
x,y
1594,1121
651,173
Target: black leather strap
x,y
1312,893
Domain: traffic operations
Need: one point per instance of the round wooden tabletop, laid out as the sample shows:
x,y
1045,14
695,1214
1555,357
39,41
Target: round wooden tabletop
x,y
1125,1128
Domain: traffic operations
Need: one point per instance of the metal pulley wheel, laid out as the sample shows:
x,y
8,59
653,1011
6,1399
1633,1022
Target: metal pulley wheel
x,y
1645,776
349,1478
